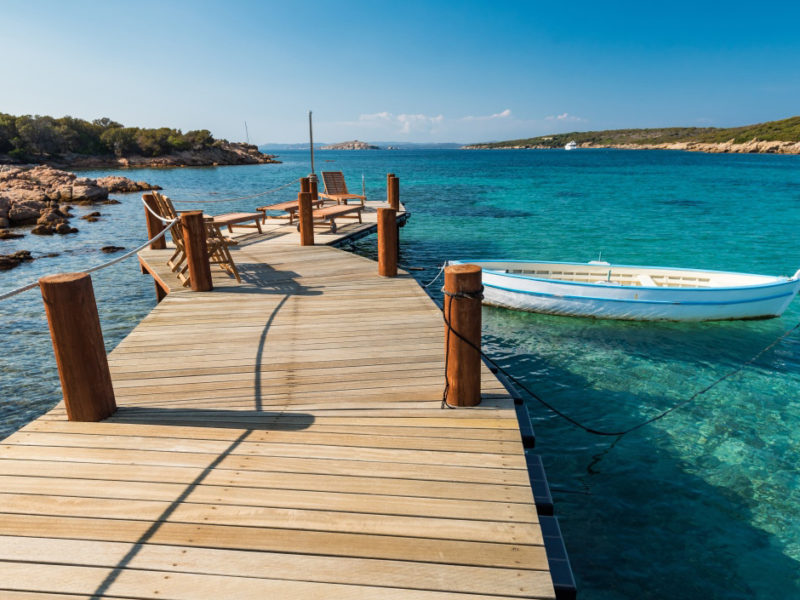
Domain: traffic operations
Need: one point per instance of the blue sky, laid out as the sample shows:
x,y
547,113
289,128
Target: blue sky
x,y
404,71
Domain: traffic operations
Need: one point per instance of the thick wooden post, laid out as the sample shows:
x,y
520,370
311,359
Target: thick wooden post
x,y
306,219
394,192
154,226
387,242
314,187
388,184
462,310
305,185
194,240
78,345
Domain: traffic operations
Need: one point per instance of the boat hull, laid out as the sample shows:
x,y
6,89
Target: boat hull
x,y
602,300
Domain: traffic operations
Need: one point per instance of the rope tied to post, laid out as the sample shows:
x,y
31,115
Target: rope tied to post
x,y
575,422
449,297
478,295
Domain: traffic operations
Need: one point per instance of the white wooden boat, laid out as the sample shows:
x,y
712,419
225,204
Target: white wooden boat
x,y
605,291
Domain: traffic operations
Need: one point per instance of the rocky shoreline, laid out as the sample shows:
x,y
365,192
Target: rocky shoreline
x,y
43,196
227,153
730,147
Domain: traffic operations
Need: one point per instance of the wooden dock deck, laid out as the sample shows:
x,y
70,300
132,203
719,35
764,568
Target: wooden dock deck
x,y
282,438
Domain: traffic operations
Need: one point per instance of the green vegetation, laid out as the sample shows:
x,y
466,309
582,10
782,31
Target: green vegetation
x,y
787,130
34,138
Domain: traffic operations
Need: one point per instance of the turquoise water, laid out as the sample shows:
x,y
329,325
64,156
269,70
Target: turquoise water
x,y
702,504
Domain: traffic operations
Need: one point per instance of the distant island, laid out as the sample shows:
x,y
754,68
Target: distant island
x,y
775,137
75,143
354,145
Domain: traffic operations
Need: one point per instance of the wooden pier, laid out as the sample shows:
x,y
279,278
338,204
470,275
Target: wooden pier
x,y
278,438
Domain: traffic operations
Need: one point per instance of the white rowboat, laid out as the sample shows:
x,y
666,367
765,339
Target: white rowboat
x,y
605,291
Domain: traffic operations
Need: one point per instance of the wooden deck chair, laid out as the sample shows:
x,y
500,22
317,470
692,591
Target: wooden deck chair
x,y
216,243
336,188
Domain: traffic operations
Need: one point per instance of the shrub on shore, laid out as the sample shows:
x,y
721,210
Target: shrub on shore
x,y
28,138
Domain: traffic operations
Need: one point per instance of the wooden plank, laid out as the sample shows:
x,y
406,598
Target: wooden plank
x,y
320,543
322,569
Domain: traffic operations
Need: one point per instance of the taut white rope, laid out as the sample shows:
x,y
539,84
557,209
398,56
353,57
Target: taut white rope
x,y
30,286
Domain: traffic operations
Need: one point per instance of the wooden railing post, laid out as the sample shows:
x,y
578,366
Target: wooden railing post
x,y
154,226
387,242
78,346
314,187
194,240
306,219
394,192
305,185
462,311
388,185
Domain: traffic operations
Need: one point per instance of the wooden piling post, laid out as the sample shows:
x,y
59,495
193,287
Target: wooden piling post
x,y
314,188
387,242
388,185
462,310
305,219
78,346
194,240
154,225
305,185
394,192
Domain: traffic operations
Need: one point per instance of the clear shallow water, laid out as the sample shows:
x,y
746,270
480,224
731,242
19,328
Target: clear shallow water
x,y
702,504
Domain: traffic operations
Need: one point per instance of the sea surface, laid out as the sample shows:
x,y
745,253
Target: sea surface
x,y
704,503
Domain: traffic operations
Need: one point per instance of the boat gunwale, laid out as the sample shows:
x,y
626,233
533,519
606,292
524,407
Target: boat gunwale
x,y
777,280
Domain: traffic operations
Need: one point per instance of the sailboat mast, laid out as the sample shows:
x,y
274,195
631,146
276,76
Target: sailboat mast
x,y
246,133
311,141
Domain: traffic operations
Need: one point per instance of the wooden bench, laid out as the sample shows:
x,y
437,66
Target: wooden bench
x,y
290,207
237,218
326,216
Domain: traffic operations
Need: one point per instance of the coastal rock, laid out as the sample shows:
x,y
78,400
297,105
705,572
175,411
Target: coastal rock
x,y
51,216
115,183
221,153
64,228
9,261
111,249
28,195
26,211
43,229
5,234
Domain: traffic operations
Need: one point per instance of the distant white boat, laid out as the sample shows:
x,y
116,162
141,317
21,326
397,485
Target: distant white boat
x,y
605,291
571,145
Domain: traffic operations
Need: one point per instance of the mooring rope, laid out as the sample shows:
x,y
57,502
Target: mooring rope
x,y
271,191
439,274
35,284
566,417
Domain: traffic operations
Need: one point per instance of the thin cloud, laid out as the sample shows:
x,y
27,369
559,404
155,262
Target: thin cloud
x,y
501,115
565,117
402,123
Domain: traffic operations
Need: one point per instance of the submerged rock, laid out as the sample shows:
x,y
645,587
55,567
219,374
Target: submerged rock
x,y
9,261
112,249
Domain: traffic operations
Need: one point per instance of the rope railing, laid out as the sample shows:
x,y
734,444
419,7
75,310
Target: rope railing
x,y
35,284
267,192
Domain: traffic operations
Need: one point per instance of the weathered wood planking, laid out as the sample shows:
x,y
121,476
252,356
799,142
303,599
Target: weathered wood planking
x,y
281,438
